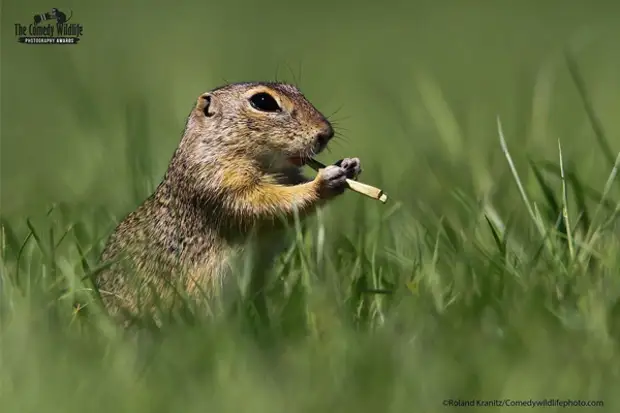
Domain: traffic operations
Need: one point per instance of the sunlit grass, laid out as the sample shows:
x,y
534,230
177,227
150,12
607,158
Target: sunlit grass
x,y
492,272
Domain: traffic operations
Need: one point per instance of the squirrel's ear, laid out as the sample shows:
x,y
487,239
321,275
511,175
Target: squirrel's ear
x,y
204,105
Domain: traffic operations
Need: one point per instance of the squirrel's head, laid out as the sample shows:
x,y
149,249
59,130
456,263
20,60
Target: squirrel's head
x,y
271,123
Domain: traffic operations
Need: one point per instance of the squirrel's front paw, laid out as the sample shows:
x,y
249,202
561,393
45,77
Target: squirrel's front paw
x,y
352,166
333,179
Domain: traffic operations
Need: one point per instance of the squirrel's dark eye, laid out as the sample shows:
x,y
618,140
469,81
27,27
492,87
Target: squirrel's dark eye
x,y
264,102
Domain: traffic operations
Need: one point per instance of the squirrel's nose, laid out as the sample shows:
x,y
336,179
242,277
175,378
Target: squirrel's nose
x,y
325,134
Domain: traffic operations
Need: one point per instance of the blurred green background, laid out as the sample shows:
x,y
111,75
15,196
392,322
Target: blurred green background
x,y
415,88
65,109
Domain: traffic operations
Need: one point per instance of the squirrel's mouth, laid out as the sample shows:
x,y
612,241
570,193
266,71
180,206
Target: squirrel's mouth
x,y
298,161
301,158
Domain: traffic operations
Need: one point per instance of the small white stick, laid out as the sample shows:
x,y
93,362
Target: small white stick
x,y
369,191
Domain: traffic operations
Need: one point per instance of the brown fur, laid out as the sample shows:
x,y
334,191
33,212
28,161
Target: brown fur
x,y
229,174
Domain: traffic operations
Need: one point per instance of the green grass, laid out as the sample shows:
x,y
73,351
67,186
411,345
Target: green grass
x,y
492,273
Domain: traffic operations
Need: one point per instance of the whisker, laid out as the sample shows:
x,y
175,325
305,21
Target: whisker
x,y
335,112
338,143
277,70
338,127
340,137
339,119
300,73
292,73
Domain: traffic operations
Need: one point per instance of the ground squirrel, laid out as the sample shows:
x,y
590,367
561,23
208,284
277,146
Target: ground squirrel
x,y
236,169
